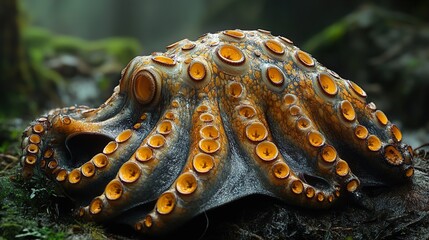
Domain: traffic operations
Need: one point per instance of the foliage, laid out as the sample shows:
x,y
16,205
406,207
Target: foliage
x,y
10,131
42,43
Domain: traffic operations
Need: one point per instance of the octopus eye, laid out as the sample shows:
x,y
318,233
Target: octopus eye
x,y
146,87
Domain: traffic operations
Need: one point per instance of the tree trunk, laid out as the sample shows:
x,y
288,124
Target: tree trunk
x,y
15,74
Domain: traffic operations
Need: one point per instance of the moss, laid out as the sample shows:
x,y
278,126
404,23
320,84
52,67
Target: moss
x,y
42,43
41,84
10,130
123,49
32,210
20,210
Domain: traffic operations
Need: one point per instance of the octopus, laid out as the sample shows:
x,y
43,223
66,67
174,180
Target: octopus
x,y
211,121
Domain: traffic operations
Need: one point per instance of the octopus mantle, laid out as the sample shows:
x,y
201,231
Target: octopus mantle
x,y
213,120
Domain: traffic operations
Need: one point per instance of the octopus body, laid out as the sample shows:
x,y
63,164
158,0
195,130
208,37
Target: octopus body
x,y
213,120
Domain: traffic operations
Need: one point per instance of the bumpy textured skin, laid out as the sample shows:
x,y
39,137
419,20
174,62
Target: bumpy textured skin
x,y
211,121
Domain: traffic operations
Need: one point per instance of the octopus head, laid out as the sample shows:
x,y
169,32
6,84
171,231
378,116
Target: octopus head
x,y
66,138
143,83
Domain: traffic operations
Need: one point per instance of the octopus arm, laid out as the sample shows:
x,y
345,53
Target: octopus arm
x,y
91,156
67,138
149,169
361,133
306,148
201,178
248,122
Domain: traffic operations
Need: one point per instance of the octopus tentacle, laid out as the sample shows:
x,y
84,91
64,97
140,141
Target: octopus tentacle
x,y
378,124
200,178
69,153
54,131
100,168
156,153
65,140
294,124
357,126
251,128
74,135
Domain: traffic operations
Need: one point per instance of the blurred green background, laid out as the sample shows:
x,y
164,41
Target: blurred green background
x,y
71,52
61,53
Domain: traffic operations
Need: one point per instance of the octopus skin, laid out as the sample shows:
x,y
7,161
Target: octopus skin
x,y
210,121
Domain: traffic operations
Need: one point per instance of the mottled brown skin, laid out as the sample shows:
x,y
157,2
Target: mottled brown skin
x,y
207,122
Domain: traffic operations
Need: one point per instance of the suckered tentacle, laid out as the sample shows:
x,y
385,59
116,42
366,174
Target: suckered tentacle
x,y
200,178
359,129
297,130
149,170
252,131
